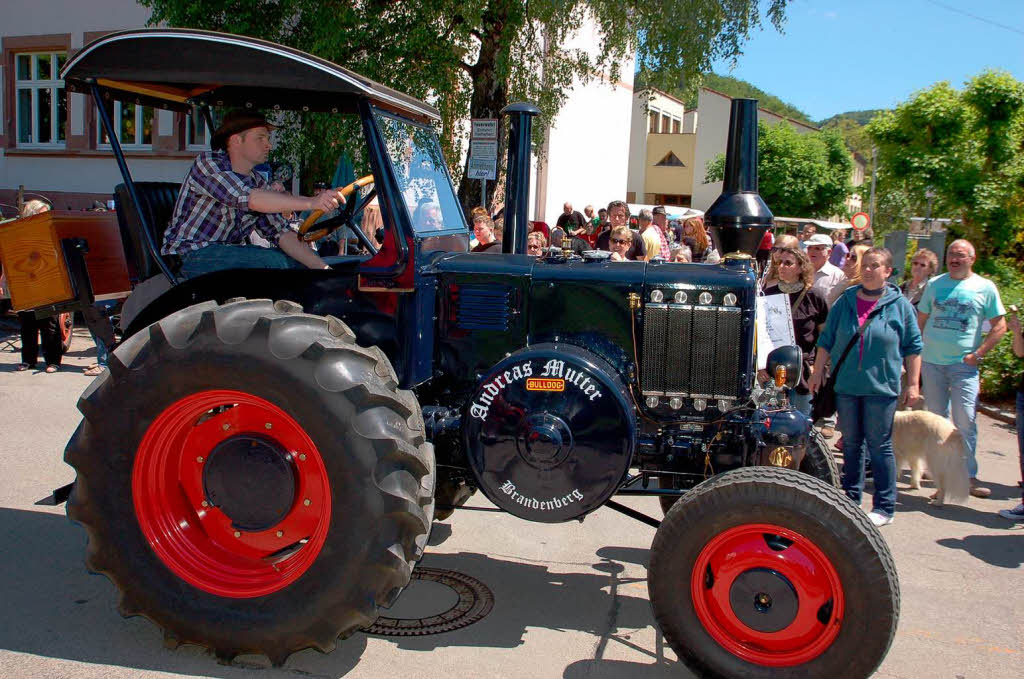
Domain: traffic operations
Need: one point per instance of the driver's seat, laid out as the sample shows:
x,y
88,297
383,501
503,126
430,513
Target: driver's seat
x,y
156,201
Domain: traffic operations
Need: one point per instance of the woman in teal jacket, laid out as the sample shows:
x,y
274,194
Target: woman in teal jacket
x,y
868,381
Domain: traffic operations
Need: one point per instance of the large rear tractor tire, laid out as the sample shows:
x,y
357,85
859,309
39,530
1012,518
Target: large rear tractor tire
x,y
764,573
819,461
251,479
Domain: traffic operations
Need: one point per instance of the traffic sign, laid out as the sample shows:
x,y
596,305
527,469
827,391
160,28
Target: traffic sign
x,y
860,221
484,128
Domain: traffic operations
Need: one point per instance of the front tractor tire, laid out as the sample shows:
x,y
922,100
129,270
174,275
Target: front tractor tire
x,y
765,572
251,479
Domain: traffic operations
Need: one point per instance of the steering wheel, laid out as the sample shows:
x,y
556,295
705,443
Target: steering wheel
x,y
311,231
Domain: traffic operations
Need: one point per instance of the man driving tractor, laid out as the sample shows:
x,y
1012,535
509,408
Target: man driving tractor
x,y
222,200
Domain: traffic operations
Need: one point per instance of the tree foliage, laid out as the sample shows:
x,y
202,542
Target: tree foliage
x,y
968,146
470,58
800,175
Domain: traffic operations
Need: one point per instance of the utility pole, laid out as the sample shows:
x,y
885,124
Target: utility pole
x,y
874,178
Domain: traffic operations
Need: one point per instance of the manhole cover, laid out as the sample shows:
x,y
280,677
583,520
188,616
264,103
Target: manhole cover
x,y
474,602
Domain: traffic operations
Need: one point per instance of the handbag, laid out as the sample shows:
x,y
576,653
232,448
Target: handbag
x,y
824,403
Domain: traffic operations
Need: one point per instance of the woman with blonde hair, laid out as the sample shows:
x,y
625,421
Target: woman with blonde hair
x,y
32,328
923,265
851,269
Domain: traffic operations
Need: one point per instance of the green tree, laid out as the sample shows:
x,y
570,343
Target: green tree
x,y
473,57
968,146
800,175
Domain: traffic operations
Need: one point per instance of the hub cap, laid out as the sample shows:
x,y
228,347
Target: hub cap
x,y
767,595
231,494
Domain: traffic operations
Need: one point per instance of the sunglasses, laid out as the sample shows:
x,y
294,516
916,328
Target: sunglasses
x,y
619,241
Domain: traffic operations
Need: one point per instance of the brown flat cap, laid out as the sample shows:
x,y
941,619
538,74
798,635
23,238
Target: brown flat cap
x,y
236,121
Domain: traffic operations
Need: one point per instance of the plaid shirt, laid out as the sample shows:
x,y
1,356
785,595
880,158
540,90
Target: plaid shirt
x,y
213,207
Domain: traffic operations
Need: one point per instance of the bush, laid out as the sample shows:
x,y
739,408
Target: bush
x,y
1001,370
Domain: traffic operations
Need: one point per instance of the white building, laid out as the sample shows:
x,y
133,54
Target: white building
x,y
713,109
662,136
587,146
63,155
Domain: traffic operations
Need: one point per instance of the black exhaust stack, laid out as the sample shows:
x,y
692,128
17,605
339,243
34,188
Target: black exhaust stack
x,y
739,217
517,177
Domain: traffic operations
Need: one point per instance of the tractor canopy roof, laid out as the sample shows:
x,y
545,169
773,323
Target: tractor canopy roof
x,y
176,69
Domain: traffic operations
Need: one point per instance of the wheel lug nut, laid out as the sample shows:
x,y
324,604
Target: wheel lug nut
x,y
280,533
199,459
307,502
225,427
269,425
205,503
302,457
237,534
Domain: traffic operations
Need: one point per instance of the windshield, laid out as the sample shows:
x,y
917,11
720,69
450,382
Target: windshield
x,y
423,179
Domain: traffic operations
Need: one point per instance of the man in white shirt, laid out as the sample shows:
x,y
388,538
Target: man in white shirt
x,y
828,280
827,276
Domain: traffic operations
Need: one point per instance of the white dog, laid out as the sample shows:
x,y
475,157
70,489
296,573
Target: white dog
x,y
924,439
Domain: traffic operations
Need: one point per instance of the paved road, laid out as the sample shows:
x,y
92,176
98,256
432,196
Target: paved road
x,y
570,600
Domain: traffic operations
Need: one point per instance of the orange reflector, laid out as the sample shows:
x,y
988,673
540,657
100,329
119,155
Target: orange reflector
x,y
780,376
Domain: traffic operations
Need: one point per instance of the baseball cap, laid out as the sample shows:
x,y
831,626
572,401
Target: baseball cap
x,y
819,239
236,121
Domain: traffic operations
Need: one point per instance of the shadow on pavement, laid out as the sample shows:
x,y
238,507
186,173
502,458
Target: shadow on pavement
x,y
617,669
950,512
529,595
53,608
1005,551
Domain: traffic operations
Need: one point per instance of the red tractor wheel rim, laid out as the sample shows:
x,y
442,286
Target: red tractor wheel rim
x,y
192,536
66,325
801,584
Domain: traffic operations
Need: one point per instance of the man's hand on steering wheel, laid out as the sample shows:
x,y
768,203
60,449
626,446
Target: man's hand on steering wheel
x,y
311,230
325,201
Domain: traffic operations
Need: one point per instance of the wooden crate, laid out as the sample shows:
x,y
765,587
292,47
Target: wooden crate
x,y
34,263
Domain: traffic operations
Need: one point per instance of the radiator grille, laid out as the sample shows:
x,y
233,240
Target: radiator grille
x,y
483,307
691,351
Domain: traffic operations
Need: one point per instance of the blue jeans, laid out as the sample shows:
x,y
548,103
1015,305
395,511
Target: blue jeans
x,y
958,385
868,420
98,315
1020,436
218,256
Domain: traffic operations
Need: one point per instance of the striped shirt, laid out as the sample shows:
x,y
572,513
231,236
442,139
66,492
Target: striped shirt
x,y
213,207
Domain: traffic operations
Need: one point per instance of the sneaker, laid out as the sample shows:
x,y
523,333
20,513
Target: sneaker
x,y
978,490
1015,514
879,519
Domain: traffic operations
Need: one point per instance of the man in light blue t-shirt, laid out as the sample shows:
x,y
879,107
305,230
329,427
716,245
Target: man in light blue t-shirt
x,y
951,312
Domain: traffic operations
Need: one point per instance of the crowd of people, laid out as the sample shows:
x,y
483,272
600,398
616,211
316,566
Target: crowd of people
x,y
888,346
608,229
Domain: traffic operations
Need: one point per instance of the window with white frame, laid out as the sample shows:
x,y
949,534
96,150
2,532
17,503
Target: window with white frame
x,y
197,136
40,100
655,120
133,125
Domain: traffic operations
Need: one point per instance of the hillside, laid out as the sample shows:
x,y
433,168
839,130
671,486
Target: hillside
x,y
851,126
859,117
734,87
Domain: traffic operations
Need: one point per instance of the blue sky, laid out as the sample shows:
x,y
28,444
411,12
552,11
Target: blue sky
x,y
843,55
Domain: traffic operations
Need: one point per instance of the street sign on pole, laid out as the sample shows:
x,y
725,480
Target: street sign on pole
x,y
483,158
484,128
860,221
